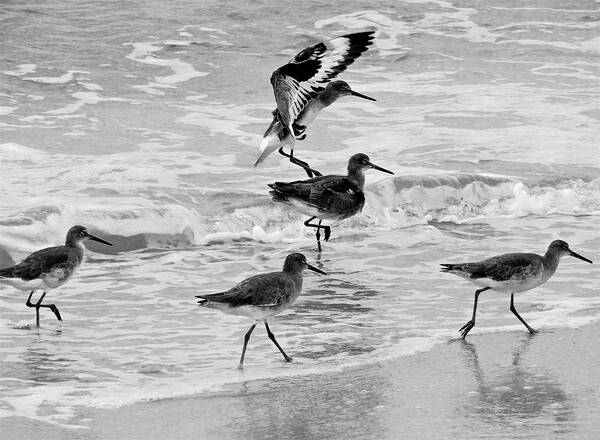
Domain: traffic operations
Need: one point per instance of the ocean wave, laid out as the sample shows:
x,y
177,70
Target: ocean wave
x,y
463,197
239,216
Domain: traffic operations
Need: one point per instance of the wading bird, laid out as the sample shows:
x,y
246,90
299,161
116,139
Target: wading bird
x,y
262,296
304,87
327,197
511,273
49,268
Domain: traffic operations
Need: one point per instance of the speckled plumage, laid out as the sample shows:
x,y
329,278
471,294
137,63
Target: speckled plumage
x,y
49,268
327,197
511,273
262,296
259,296
52,267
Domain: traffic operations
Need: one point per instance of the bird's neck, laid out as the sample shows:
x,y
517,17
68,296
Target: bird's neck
x,y
295,276
357,176
77,245
327,97
551,260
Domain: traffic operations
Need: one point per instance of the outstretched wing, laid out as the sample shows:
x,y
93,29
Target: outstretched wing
x,y
310,70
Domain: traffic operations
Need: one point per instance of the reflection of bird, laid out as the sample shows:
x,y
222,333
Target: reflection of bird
x,y
262,296
49,268
511,273
302,89
327,197
508,393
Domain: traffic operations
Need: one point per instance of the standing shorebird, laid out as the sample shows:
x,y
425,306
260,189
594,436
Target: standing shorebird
x,y
327,197
262,296
511,273
49,268
303,87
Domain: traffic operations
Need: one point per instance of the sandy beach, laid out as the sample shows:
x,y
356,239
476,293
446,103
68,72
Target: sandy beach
x,y
496,385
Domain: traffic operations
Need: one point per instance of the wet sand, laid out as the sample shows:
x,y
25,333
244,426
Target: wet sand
x,y
496,385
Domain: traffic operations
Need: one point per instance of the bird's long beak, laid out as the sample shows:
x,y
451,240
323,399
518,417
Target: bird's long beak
x,y
378,168
99,240
576,255
314,269
353,93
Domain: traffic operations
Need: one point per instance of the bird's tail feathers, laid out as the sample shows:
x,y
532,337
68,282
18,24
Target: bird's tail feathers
x,y
269,143
205,300
281,191
449,267
7,272
278,196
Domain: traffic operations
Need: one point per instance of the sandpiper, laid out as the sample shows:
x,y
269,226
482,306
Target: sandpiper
x,y
262,296
303,87
49,268
511,273
327,197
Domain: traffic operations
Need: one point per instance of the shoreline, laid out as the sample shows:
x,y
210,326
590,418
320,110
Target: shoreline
x,y
503,384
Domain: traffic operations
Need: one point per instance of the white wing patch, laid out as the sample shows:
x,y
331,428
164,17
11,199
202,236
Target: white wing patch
x,y
296,83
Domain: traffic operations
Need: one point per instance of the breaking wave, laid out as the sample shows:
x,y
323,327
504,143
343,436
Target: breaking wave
x,y
221,217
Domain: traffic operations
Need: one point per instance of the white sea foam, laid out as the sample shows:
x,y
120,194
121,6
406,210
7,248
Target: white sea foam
x,y
145,53
392,202
21,69
6,110
62,79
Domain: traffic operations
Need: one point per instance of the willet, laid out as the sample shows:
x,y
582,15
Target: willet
x,y
262,296
303,87
327,197
511,273
49,268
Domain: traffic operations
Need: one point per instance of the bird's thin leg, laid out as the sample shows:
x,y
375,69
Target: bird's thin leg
x,y
327,229
309,171
54,310
272,338
246,339
29,303
37,310
465,329
512,309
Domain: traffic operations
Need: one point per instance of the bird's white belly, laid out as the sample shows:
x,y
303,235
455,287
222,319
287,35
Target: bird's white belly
x,y
308,116
253,312
305,209
312,211
24,285
509,286
57,278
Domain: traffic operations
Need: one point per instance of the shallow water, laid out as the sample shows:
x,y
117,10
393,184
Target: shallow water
x,y
143,122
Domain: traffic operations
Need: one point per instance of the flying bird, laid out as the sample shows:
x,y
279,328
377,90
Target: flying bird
x,y
327,197
262,296
49,268
511,273
304,87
